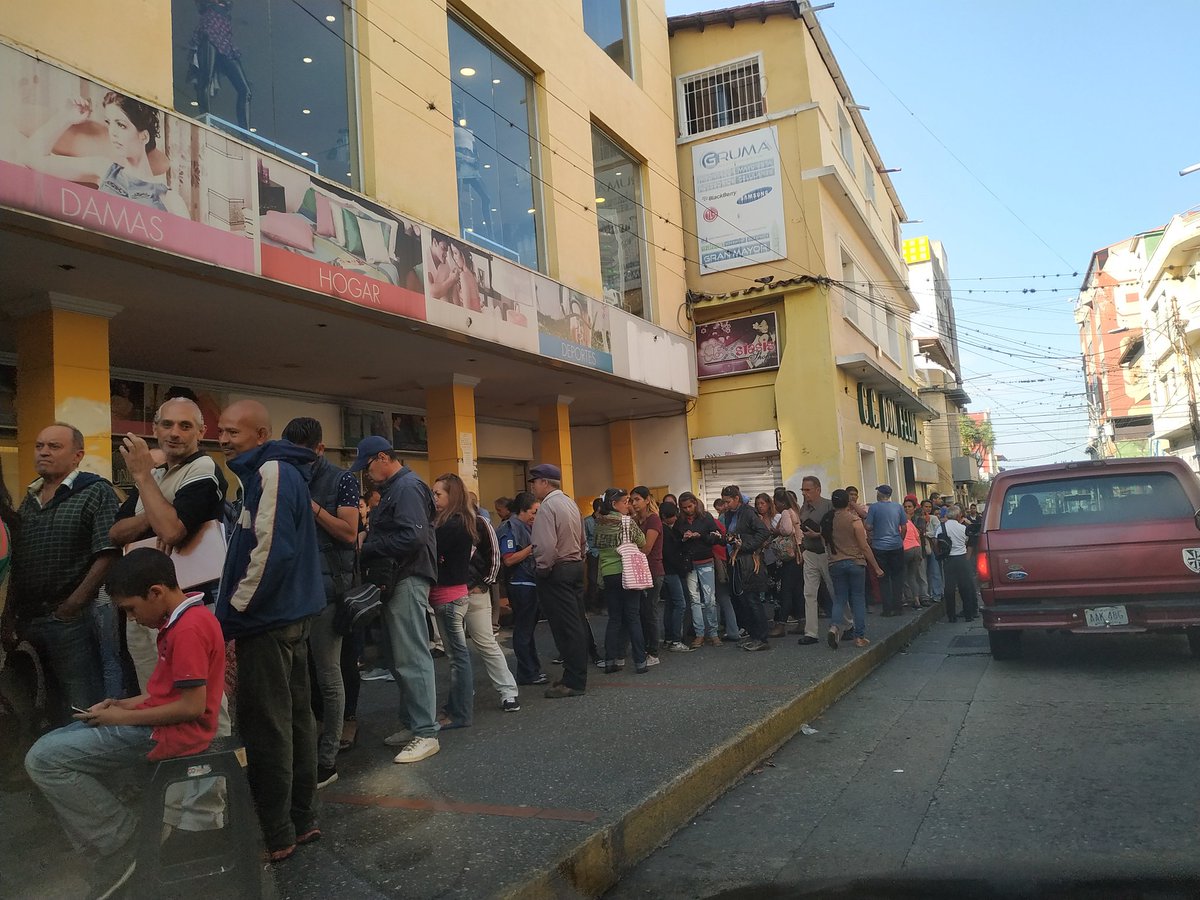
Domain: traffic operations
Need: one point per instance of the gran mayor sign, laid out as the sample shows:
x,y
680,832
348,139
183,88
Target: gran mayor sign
x,y
878,411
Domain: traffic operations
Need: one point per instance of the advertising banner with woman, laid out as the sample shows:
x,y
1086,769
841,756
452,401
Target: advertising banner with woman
x,y
477,293
734,346
74,151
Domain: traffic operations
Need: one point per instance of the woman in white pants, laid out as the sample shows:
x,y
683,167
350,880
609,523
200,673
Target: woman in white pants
x,y
484,570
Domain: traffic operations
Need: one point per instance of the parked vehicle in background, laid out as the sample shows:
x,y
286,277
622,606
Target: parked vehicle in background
x,y
1091,548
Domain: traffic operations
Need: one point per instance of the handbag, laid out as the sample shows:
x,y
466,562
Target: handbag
x,y
635,567
359,603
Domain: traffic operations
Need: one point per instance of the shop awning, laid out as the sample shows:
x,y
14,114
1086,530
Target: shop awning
x,y
866,371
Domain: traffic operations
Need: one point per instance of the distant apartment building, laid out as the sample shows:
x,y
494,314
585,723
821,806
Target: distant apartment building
x,y
1170,326
1112,342
935,351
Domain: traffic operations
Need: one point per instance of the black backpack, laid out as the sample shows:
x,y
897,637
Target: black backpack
x,y
942,550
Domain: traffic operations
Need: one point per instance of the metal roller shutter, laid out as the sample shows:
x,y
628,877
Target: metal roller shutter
x,y
753,474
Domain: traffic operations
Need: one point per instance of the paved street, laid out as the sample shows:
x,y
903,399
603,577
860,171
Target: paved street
x,y
1080,758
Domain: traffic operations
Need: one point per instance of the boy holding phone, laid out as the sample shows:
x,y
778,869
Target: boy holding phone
x,y
176,716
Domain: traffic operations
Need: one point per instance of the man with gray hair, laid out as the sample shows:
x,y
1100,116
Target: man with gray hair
x,y
60,558
959,577
172,502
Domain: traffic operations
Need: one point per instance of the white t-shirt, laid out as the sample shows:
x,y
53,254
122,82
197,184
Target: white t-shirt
x,y
957,532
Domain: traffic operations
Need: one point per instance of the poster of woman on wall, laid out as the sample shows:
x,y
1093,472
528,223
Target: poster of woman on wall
x,y
79,152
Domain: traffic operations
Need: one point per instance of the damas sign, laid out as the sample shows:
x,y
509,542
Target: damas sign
x,y
877,411
739,201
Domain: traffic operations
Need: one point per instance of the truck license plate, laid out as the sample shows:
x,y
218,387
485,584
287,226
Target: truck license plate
x,y
1104,616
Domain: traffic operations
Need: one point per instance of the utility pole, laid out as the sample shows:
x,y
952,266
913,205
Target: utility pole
x,y
1180,342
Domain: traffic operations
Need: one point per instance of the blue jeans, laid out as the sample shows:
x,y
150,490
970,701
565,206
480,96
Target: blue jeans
x,y
676,603
67,765
70,653
849,586
105,620
936,579
408,643
460,703
624,621
702,588
728,613
524,602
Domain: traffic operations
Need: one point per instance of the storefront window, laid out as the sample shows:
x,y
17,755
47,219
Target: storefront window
x,y
275,73
494,149
606,23
619,219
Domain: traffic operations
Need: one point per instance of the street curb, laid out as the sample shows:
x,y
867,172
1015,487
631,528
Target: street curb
x,y
594,865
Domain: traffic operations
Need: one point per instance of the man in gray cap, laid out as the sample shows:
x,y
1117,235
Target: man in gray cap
x,y
886,524
400,555
558,550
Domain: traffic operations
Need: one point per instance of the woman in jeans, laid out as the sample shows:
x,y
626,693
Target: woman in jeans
x,y
456,536
483,571
624,606
645,512
916,591
849,555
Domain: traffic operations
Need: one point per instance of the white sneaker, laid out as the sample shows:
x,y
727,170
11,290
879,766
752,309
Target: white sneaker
x,y
399,739
417,749
679,647
651,660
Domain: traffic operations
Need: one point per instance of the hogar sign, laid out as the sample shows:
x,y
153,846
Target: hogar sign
x,y
877,411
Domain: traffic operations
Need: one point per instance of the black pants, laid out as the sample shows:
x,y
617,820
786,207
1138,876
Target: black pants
x,y
276,722
213,64
352,648
791,591
624,621
957,571
523,599
650,607
891,585
560,594
755,604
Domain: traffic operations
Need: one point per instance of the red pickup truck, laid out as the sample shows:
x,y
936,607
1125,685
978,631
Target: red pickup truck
x,y
1091,548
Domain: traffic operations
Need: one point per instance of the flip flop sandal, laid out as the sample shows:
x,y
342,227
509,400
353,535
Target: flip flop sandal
x,y
278,856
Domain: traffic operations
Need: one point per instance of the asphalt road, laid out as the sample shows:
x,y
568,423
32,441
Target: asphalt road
x,y
1079,760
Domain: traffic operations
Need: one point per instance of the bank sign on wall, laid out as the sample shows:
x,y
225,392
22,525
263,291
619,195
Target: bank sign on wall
x,y
75,151
739,200
878,411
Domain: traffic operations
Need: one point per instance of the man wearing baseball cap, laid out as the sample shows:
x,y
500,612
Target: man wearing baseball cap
x,y
558,565
886,524
400,555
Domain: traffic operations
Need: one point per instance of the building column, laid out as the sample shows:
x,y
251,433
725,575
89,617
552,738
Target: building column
x,y
450,424
63,375
624,455
554,439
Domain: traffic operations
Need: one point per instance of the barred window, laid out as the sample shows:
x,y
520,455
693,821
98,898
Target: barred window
x,y
723,96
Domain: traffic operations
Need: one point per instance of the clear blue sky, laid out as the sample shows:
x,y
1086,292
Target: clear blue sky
x,y
1077,116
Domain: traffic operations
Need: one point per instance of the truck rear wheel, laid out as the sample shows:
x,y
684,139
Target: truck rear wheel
x,y
1007,644
1193,636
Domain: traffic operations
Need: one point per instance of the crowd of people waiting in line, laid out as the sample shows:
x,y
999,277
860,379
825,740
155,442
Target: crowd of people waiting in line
x,y
144,669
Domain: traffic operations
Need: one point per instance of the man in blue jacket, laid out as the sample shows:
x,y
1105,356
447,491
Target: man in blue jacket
x,y
400,555
271,588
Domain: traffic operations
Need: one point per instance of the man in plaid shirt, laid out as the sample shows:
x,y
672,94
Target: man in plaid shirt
x,y
61,556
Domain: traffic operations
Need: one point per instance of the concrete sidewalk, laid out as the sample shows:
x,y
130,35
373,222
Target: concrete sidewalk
x,y
560,798
556,800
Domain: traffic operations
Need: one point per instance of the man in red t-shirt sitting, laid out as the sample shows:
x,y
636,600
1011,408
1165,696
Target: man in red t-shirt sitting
x,y
176,716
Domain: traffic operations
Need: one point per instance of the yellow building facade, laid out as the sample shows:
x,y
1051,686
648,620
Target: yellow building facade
x,y
794,242
454,225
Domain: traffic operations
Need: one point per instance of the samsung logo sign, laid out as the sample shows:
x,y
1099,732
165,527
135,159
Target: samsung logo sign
x,y
712,158
756,194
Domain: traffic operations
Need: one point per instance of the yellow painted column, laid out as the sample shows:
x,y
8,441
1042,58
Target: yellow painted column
x,y
624,455
450,423
554,439
63,375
